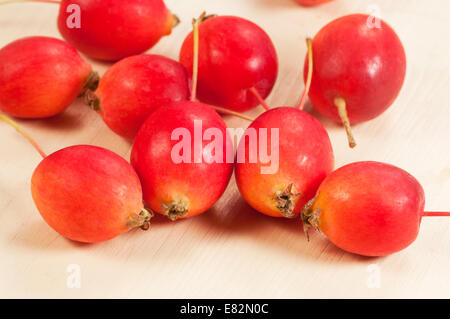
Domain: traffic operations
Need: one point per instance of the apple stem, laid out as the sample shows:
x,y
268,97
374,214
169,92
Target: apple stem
x,y
302,102
436,214
223,110
16,126
259,98
195,33
16,1
342,110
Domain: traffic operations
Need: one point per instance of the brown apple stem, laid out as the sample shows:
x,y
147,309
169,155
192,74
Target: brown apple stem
x,y
302,102
436,214
259,98
16,126
223,110
342,110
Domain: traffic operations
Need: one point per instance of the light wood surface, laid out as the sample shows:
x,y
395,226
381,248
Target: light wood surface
x,y
232,251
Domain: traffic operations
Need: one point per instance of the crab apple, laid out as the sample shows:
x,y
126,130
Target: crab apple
x,y
368,208
88,194
41,76
301,146
359,69
133,87
190,185
236,58
110,29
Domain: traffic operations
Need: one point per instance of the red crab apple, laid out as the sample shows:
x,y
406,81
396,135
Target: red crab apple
x,y
133,87
368,208
41,76
88,194
182,173
304,154
236,59
112,30
359,69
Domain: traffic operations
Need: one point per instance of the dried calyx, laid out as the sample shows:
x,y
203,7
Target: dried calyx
x,y
310,217
141,220
91,83
285,201
175,209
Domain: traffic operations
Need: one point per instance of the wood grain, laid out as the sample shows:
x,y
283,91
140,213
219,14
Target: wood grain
x,y
232,251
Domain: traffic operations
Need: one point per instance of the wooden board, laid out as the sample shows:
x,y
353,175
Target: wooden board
x,y
232,251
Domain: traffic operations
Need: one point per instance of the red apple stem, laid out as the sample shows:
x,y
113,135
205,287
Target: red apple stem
x,y
436,214
302,102
16,126
223,110
342,110
195,33
16,1
259,98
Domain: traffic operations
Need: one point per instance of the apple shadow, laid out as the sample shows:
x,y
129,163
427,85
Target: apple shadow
x,y
63,121
243,221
